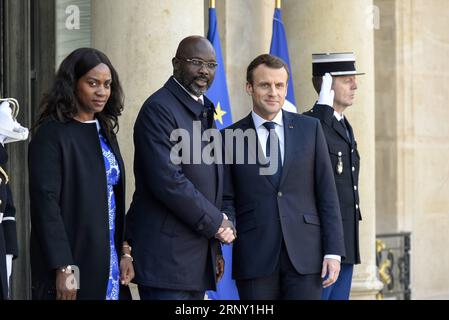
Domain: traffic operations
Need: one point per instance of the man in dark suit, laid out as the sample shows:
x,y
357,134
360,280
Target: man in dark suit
x,y
288,224
334,80
174,223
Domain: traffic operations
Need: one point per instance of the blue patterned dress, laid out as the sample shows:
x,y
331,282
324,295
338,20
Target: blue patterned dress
x,y
113,177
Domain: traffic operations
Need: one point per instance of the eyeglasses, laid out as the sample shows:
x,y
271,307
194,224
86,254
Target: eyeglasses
x,y
200,63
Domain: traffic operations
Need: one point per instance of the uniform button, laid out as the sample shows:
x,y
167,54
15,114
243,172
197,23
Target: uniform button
x,y
352,150
339,153
357,206
353,169
355,188
279,194
1,201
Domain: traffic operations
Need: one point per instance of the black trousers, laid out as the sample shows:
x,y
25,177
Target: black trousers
x,y
151,293
284,284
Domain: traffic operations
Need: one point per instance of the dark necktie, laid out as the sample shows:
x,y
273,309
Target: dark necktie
x,y
276,177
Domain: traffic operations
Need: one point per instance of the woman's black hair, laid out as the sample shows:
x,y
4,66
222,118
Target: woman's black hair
x,y
61,103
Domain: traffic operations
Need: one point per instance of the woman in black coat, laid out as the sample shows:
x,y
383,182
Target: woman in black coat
x,y
77,185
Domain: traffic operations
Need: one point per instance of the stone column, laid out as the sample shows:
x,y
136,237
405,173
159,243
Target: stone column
x,y
314,26
412,140
140,37
245,29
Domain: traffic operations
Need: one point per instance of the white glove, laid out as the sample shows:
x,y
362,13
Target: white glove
x,y
6,119
326,93
8,266
10,129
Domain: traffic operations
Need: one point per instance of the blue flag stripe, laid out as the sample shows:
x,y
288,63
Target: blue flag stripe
x,y
279,48
218,94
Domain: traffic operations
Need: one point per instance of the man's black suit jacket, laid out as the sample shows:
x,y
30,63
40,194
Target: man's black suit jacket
x,y
174,213
303,210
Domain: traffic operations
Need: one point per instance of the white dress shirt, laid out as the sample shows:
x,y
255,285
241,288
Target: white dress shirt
x,y
338,116
262,132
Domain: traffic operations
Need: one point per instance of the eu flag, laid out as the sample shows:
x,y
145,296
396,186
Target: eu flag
x,y
279,48
218,94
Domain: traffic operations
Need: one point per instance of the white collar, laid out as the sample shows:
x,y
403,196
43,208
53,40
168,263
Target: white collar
x,y
338,116
192,95
259,121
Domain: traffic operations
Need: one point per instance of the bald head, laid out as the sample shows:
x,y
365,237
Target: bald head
x,y
190,46
194,64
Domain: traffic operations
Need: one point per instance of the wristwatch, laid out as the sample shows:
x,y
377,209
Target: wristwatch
x,y
67,269
127,255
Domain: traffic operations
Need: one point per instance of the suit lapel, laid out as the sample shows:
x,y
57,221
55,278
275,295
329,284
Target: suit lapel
x,y
253,151
219,171
326,114
289,143
183,97
340,130
351,133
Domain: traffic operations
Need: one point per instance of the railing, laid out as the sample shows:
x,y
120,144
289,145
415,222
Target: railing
x,y
393,261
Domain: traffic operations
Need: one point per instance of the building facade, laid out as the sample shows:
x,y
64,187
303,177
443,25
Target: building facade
x,y
399,115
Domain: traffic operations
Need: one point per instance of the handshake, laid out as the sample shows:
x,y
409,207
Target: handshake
x,y
226,233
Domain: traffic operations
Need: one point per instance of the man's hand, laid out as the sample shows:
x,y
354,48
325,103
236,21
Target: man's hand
x,y
126,265
226,233
220,264
331,267
66,285
326,93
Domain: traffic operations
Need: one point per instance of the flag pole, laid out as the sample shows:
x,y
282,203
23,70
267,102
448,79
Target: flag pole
x,y
278,4
212,4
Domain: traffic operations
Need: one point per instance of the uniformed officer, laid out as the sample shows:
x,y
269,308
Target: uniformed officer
x,y
334,78
10,131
